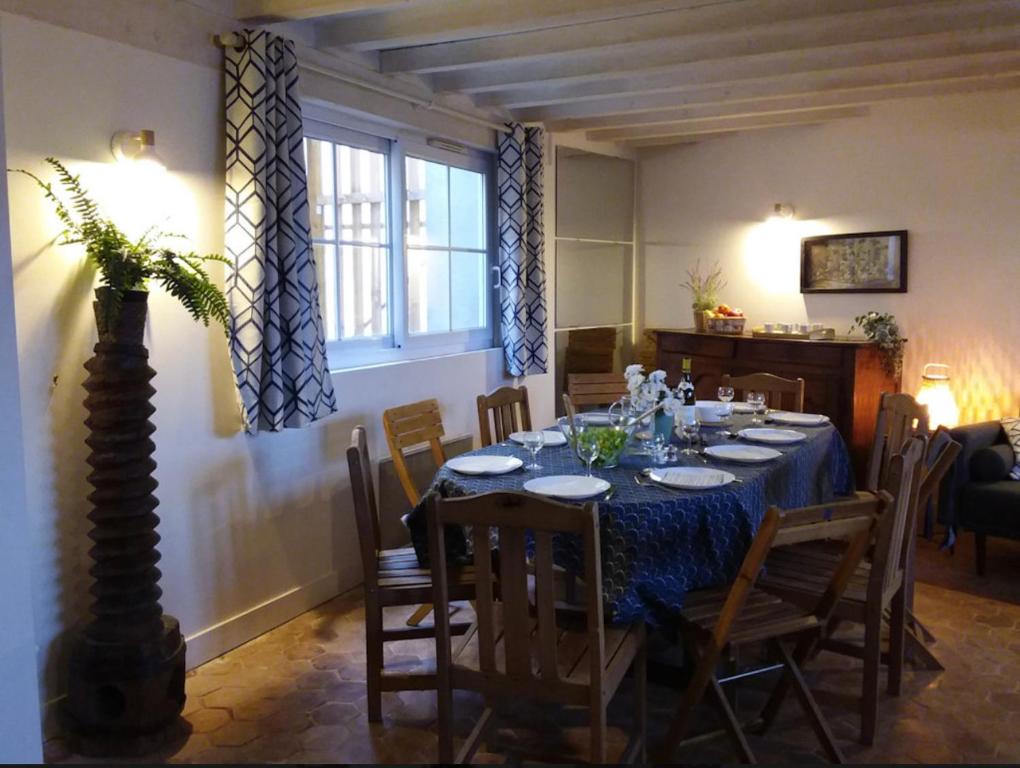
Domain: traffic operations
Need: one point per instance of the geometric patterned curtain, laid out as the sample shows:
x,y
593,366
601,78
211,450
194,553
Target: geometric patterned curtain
x,y
521,250
276,334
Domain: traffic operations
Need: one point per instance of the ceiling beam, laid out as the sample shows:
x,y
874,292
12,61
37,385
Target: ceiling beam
x,y
439,21
724,124
555,44
884,30
579,99
272,11
718,102
856,97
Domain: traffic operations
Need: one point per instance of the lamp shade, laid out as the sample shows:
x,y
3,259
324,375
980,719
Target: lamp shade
x,y
936,394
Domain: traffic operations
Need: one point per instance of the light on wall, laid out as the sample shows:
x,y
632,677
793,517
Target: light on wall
x,y
936,394
782,211
138,147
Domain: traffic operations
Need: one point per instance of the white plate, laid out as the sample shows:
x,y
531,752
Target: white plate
x,y
596,418
567,486
799,419
745,454
692,478
766,435
553,437
484,465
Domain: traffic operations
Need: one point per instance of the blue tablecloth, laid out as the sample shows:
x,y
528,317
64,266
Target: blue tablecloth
x,y
658,544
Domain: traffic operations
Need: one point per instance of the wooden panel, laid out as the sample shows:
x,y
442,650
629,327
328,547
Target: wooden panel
x,y
843,379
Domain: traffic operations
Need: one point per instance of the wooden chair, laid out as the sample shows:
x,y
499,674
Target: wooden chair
x,y
525,650
510,413
774,387
798,574
900,417
407,426
717,621
594,389
392,577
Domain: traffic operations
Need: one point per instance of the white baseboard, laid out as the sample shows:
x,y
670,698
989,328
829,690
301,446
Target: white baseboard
x,y
216,640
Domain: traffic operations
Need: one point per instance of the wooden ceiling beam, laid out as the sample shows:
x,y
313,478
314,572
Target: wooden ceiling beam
x,y
882,30
271,11
813,99
428,22
548,101
555,44
724,124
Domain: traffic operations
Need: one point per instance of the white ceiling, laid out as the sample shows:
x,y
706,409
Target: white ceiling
x,y
643,72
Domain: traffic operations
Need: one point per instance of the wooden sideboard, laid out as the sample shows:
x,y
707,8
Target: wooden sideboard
x,y
843,378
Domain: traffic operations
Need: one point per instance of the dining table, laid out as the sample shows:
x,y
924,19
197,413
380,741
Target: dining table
x,y
658,543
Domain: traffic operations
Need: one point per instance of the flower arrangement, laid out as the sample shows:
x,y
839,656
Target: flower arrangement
x,y
704,290
882,328
649,391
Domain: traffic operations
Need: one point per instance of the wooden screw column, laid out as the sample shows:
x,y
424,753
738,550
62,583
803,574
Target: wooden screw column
x,y
126,682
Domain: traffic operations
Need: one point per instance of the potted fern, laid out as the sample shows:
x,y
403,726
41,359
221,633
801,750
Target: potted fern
x,y
126,677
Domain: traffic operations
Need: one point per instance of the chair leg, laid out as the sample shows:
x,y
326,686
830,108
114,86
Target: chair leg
x,y
444,712
641,692
419,614
684,714
872,663
897,641
980,551
770,711
373,657
597,706
791,672
730,722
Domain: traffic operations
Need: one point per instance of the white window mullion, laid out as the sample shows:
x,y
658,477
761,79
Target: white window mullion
x,y
398,246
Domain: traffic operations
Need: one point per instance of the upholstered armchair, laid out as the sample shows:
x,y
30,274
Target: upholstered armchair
x,y
982,498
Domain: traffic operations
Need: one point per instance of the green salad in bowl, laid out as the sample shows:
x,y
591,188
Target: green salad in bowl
x,y
611,442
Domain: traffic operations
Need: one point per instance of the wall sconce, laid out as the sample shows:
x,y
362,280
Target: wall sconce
x,y
138,147
936,394
782,211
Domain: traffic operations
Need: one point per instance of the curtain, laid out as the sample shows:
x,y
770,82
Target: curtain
x,y
276,335
521,250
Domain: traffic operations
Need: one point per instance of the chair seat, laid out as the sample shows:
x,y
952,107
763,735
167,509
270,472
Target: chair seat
x,y
398,569
763,616
572,666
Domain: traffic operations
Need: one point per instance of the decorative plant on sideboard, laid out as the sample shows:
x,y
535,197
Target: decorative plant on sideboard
x,y
126,667
882,328
704,291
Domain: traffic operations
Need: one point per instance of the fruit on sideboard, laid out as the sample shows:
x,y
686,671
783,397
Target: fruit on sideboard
x,y
724,310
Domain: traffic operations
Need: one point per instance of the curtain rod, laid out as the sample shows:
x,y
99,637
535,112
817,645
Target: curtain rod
x,y
232,40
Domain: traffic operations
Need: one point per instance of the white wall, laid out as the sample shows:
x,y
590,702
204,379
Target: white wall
x,y
946,169
254,529
20,740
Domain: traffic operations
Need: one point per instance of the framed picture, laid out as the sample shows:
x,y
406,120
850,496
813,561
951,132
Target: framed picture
x,y
864,262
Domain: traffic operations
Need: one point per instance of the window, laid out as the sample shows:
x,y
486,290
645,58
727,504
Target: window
x,y
396,293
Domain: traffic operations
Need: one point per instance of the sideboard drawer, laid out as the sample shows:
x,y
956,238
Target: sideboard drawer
x,y
704,346
790,352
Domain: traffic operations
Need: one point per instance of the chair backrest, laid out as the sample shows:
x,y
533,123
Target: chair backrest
x,y
776,389
366,513
407,426
853,519
568,408
517,642
900,417
596,388
942,453
892,537
510,413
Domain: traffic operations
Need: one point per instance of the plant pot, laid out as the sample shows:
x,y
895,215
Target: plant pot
x,y
700,323
126,677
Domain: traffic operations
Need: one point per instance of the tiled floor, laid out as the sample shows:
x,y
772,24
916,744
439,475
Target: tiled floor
x,y
297,694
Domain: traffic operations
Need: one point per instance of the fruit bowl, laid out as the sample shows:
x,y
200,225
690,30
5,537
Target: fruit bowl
x,y
725,324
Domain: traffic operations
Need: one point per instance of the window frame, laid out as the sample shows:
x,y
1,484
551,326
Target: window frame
x,y
400,345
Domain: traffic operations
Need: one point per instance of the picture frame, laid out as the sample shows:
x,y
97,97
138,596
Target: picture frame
x,y
860,262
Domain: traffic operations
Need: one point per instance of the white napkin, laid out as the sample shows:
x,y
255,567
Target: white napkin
x,y
807,419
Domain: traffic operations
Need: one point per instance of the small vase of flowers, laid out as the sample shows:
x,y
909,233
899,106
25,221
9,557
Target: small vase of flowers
x,y
651,391
704,291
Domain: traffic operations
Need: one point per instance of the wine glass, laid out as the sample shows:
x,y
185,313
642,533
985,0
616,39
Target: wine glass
x,y
726,396
533,441
757,402
587,448
689,428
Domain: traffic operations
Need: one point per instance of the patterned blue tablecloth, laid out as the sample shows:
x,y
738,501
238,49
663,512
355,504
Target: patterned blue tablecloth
x,y
658,544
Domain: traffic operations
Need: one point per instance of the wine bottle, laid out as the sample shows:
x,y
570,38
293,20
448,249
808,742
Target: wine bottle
x,y
686,386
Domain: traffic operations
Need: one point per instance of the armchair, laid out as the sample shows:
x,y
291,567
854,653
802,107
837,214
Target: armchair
x,y
981,497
